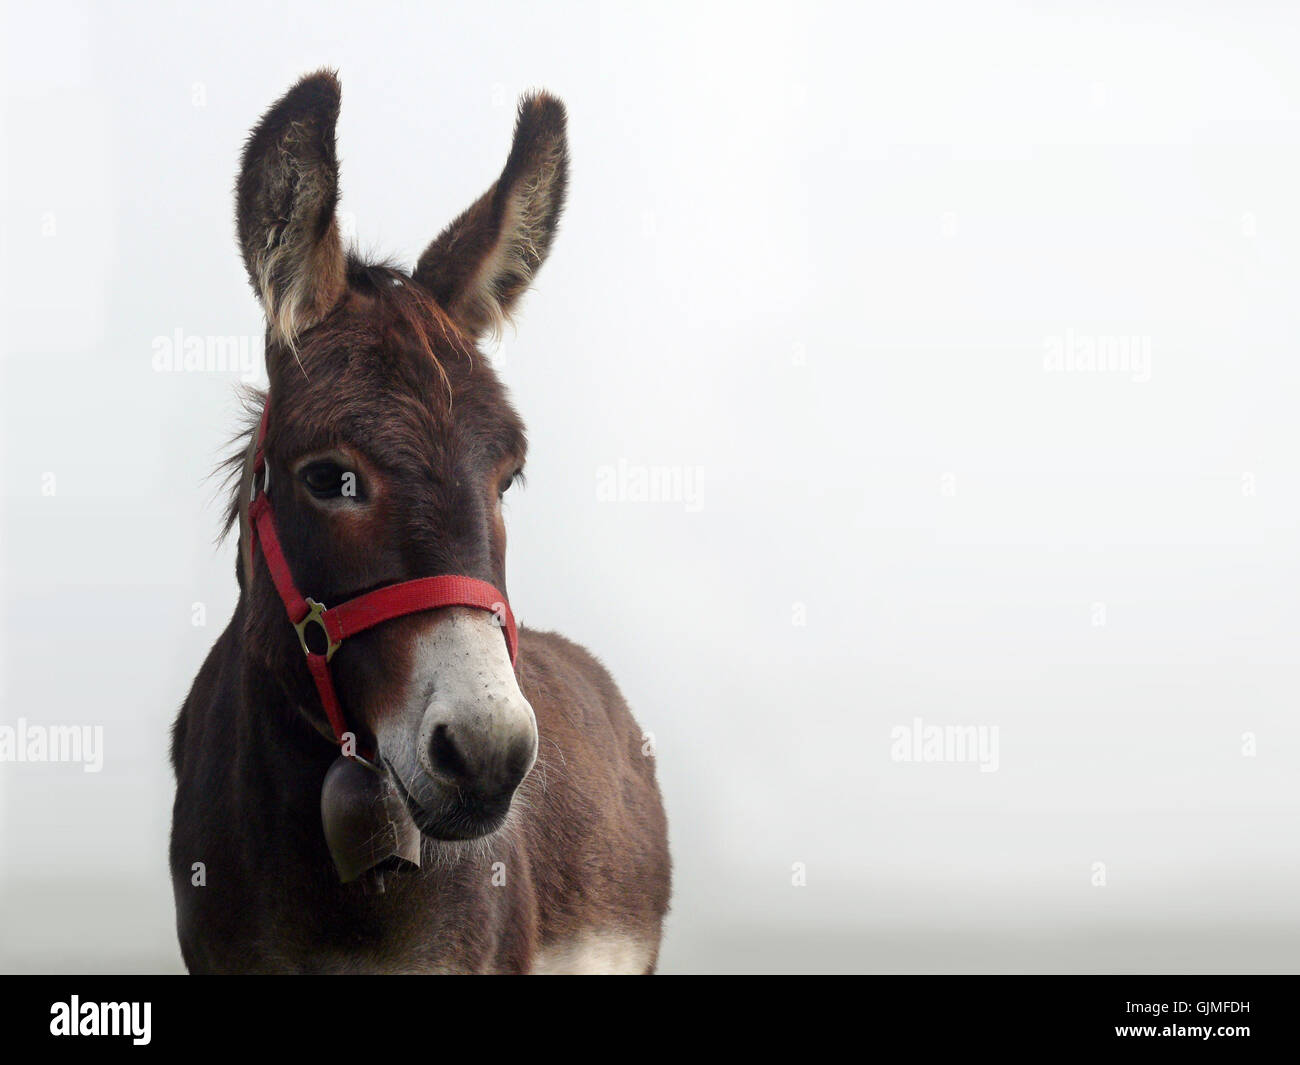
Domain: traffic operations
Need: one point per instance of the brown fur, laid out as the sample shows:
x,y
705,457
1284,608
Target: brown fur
x,y
383,366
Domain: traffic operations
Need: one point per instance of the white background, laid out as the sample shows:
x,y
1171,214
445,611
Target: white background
x,y
819,254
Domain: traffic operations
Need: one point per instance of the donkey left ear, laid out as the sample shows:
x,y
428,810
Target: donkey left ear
x,y
285,202
481,264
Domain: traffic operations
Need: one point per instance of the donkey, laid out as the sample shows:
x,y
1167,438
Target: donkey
x,y
373,786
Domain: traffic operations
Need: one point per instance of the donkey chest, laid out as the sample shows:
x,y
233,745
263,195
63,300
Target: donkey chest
x,y
277,922
410,945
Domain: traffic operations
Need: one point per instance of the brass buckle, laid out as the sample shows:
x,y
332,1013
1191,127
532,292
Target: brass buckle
x,y
316,613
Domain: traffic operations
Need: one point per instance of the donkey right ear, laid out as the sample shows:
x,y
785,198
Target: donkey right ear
x,y
284,206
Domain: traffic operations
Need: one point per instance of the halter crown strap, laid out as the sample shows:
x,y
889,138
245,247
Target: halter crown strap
x,y
363,612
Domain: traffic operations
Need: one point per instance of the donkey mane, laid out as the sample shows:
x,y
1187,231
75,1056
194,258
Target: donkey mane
x,y
230,470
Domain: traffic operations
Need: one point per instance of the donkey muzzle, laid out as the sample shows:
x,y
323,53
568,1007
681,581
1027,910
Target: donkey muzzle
x,y
470,737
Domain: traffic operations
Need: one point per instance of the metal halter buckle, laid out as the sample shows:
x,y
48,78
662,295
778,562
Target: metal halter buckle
x,y
316,613
262,475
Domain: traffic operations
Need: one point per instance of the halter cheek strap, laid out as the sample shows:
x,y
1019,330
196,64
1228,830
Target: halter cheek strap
x,y
336,624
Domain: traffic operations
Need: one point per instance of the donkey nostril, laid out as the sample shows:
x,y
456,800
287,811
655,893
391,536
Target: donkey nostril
x,y
520,759
444,755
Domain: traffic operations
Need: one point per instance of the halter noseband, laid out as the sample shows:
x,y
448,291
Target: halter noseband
x,y
363,612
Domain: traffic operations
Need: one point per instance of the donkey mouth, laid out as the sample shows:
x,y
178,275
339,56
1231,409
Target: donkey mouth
x,y
449,812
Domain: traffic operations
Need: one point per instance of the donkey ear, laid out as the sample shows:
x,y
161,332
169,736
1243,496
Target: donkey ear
x,y
481,263
285,200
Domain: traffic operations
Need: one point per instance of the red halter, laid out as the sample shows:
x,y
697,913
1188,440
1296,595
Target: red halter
x,y
363,612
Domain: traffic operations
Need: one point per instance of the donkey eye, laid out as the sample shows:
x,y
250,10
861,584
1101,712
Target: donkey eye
x,y
506,484
328,480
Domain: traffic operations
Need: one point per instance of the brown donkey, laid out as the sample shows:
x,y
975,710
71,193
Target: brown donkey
x,y
365,781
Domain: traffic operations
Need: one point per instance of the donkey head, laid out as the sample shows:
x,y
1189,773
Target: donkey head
x,y
389,447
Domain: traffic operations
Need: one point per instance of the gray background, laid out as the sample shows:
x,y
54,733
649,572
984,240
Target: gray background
x,y
818,254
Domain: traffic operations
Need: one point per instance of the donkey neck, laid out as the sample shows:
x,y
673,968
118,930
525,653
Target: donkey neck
x,y
279,749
